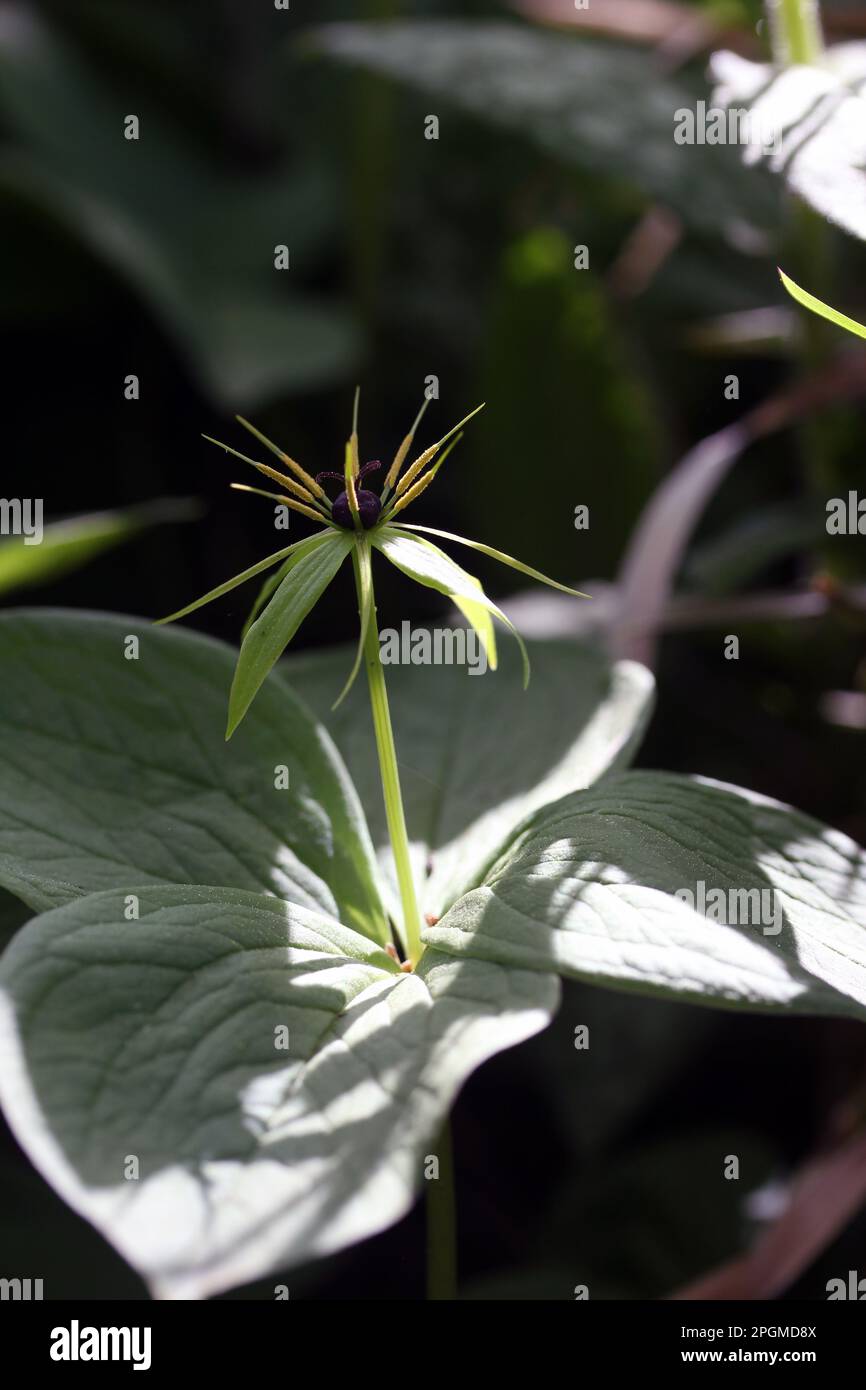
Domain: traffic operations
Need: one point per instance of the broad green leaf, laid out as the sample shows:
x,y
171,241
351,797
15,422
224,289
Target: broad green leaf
x,y
817,306
116,770
479,753
596,105
275,1079
430,566
274,629
806,124
66,545
590,889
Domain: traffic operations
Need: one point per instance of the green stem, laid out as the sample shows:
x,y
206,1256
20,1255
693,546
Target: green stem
x,y
795,31
797,37
442,1225
390,780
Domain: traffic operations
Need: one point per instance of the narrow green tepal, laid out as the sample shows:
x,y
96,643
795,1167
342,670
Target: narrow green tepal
x,y
288,555
428,565
817,306
272,632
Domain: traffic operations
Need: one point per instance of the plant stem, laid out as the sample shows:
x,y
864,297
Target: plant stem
x,y
390,780
795,31
796,36
442,1225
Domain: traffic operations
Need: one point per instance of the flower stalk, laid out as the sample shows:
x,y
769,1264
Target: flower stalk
x,y
388,770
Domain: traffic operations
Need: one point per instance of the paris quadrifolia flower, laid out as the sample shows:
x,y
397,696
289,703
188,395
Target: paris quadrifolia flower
x,y
356,521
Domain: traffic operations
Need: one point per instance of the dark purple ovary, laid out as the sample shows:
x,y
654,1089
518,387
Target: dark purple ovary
x,y
369,507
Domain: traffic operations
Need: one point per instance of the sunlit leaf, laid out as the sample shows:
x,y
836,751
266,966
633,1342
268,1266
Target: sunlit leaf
x,y
596,887
276,1080
806,124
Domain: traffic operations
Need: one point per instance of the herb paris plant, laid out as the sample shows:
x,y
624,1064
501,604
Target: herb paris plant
x,y
355,522
205,1044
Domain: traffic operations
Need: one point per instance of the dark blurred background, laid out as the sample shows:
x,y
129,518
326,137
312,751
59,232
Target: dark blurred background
x,y
454,258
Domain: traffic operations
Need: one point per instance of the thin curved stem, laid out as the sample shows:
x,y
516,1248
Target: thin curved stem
x,y
390,779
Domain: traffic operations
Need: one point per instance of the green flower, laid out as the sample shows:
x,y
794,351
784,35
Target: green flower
x,y
356,522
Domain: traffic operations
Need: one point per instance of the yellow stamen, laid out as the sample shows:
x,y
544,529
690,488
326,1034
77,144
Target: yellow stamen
x,y
270,473
400,456
287,483
353,441
423,459
350,481
413,492
407,497
315,488
286,501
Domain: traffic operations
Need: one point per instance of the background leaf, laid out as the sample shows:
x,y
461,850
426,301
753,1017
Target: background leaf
x,y
197,244
588,890
156,1038
67,544
597,106
118,769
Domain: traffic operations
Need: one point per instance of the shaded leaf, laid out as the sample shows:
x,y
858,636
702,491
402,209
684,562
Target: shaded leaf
x,y
197,243
593,104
